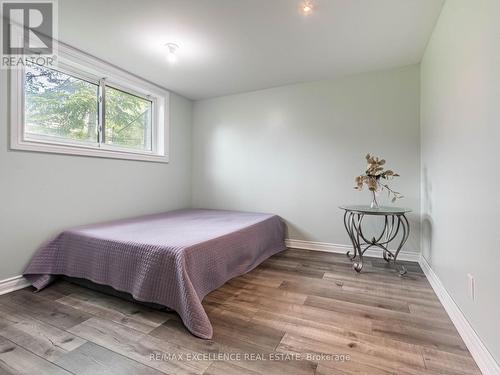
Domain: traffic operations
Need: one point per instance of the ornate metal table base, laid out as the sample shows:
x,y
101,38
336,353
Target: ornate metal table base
x,y
394,220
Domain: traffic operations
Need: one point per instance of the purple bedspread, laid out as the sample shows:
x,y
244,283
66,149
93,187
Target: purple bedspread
x,y
174,259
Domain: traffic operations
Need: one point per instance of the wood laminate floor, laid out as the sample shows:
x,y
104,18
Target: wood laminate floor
x,y
300,312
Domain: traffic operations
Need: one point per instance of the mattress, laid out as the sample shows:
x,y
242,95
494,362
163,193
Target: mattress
x,y
173,259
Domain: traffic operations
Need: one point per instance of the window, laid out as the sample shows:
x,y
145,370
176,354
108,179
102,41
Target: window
x,y
128,120
86,107
59,106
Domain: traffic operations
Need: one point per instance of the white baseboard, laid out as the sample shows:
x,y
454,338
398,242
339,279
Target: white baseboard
x,y
12,284
480,353
342,249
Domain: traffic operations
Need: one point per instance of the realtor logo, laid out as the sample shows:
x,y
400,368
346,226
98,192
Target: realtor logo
x,y
28,32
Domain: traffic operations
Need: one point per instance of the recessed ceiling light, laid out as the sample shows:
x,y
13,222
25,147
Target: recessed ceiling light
x,y
172,52
306,7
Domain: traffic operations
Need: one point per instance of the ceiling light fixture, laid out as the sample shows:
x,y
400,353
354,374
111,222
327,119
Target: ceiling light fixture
x,y
307,7
172,52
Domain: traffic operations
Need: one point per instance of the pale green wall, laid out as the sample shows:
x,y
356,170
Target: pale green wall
x,y
295,150
41,194
292,150
460,113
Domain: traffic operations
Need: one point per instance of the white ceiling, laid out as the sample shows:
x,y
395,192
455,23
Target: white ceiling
x,y
230,46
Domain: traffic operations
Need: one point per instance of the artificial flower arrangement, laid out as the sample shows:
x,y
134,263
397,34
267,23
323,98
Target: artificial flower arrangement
x,y
376,179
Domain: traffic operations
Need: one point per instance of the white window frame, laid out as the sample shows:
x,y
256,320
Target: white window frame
x,y
81,65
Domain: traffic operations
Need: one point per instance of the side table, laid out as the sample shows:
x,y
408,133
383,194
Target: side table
x,y
394,221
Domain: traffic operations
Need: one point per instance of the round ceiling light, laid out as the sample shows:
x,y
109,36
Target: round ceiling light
x,y
172,52
306,7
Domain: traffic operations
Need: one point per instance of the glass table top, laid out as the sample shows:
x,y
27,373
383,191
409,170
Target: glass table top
x,y
383,210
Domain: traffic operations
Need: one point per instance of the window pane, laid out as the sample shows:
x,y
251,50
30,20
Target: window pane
x,y
128,120
59,106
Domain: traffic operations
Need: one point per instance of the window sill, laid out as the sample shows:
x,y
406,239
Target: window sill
x,y
62,149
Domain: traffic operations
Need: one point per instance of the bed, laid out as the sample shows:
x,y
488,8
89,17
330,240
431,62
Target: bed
x,y
173,259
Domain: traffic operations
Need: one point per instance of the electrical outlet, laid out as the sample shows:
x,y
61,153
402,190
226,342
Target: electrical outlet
x,y
472,287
